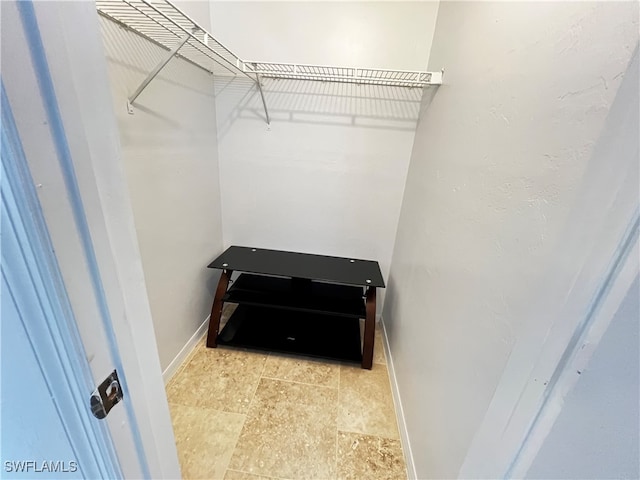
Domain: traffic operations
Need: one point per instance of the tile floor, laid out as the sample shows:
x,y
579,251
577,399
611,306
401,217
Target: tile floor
x,y
245,415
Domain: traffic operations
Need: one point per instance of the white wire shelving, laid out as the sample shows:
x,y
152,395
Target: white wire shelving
x,y
164,24
364,76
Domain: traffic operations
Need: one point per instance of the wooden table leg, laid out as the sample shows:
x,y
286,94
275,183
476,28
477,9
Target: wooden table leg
x,y
369,328
216,309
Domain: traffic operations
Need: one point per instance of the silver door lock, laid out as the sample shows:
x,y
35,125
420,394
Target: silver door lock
x,y
108,394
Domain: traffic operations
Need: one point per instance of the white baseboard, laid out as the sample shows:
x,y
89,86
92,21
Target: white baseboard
x,y
402,425
182,355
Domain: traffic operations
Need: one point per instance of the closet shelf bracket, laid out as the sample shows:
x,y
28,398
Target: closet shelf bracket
x,y
264,103
170,54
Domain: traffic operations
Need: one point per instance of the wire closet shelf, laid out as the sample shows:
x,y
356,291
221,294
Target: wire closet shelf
x,y
367,76
164,24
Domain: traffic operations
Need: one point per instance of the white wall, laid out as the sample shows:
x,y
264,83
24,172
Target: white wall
x,y
198,10
596,435
327,176
392,34
522,179
170,157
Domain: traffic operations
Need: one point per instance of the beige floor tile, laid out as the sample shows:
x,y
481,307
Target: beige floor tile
x,y
235,475
290,432
205,440
219,378
227,311
198,346
378,345
302,369
365,402
369,457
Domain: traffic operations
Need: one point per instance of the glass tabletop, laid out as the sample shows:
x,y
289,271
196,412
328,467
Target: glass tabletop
x,y
348,271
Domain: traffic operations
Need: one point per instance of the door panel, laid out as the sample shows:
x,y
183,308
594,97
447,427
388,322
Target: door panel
x,y
45,379
28,421
37,74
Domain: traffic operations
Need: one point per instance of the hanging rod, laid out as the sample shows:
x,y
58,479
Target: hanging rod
x,y
164,24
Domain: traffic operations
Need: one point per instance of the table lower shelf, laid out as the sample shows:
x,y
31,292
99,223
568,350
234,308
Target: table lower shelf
x,y
312,334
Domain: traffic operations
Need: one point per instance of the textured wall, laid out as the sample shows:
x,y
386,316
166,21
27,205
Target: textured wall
x,y
327,176
492,235
386,34
198,10
170,156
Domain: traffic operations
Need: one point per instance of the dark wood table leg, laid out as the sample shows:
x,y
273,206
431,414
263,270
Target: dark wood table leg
x,y
369,328
216,309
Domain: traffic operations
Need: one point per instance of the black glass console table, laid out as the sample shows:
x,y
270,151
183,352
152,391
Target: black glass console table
x,y
297,303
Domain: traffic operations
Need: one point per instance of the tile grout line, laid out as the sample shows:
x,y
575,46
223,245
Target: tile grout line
x,y
235,444
253,395
246,417
209,411
176,404
249,473
384,437
255,389
296,381
337,388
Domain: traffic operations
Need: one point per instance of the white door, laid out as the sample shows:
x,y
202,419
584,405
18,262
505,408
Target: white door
x,y
45,378
74,305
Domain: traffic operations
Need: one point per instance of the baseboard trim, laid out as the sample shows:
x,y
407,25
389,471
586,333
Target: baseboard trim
x,y
402,425
182,355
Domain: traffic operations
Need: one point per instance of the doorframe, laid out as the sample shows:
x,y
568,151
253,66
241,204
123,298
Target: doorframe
x,y
76,85
607,300
601,231
511,435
